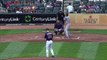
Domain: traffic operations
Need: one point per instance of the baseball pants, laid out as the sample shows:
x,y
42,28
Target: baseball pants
x,y
49,48
67,33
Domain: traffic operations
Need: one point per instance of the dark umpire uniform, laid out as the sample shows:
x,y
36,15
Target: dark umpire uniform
x,y
60,16
49,41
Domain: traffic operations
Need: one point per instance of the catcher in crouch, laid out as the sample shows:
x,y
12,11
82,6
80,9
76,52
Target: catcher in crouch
x,y
58,28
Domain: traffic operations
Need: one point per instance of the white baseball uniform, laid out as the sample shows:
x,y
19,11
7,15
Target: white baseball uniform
x,y
67,26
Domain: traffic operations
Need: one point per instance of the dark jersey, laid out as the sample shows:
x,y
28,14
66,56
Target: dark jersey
x,y
48,36
58,26
60,16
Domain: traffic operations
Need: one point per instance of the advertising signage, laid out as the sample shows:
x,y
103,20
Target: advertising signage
x,y
27,18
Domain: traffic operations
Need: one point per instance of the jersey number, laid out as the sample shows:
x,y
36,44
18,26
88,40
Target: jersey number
x,y
49,36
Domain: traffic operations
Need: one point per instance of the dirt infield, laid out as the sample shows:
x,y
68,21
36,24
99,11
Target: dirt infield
x,y
41,58
76,37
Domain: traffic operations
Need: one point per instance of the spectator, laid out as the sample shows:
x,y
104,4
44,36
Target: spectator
x,y
8,3
91,8
2,10
0,4
97,8
49,5
19,10
82,7
33,8
16,2
28,5
59,1
70,8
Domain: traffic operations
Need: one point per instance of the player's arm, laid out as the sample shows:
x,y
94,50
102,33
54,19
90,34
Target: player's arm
x,y
65,20
55,26
52,35
45,35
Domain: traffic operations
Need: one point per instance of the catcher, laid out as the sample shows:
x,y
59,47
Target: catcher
x,y
58,28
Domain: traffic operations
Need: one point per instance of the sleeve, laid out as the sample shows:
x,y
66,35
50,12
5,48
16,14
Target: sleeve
x,y
62,26
63,15
55,25
45,35
52,35
65,18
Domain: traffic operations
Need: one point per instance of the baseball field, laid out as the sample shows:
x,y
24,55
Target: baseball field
x,y
26,44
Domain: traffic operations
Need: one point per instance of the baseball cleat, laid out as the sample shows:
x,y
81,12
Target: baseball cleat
x,y
53,56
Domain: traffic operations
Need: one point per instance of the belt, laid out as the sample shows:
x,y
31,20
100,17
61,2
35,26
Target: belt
x,y
48,40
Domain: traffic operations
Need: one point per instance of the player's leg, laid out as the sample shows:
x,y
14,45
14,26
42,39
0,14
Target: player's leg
x,y
61,31
47,48
66,31
51,49
56,31
69,31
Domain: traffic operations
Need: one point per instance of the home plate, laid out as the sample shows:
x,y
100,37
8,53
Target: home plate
x,y
72,38
36,37
76,38
57,37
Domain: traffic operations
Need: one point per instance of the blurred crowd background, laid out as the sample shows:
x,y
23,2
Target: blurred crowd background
x,y
90,6
52,6
30,6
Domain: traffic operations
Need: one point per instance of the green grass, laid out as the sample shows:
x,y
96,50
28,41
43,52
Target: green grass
x,y
13,50
83,50
32,50
88,50
102,52
71,50
20,31
3,46
24,31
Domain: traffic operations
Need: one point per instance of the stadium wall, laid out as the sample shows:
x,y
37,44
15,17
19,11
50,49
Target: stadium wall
x,y
88,19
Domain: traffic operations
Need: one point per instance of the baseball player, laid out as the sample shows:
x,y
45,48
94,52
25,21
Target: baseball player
x,y
49,41
67,26
58,28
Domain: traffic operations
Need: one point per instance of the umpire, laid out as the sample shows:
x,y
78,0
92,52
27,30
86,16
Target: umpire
x,y
60,16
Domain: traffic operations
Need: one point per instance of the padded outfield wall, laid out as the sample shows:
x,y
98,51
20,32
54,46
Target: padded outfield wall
x,y
96,21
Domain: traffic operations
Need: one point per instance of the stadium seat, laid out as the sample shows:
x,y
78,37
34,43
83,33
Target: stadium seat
x,y
55,11
76,2
76,6
106,6
40,5
41,8
98,2
57,8
46,1
57,5
58,2
49,10
105,11
39,11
